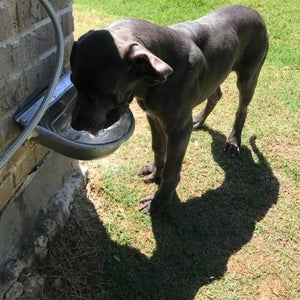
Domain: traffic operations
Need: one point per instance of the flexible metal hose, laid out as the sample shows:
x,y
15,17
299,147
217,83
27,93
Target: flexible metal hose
x,y
45,103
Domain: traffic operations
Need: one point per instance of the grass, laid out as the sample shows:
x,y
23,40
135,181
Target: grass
x,y
233,230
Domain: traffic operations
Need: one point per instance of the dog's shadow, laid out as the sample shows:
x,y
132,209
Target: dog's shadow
x,y
195,239
198,237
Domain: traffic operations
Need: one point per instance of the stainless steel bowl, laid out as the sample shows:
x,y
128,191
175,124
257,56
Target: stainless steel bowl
x,y
55,132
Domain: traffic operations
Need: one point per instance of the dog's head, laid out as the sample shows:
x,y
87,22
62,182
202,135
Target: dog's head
x,y
106,73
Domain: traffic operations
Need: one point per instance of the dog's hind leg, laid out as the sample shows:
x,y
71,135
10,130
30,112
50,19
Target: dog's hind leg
x,y
247,75
152,172
199,120
246,83
247,70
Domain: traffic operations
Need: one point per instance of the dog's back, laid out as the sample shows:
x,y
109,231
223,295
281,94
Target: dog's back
x,y
226,30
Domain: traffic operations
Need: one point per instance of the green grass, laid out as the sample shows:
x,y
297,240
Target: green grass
x,y
282,19
233,230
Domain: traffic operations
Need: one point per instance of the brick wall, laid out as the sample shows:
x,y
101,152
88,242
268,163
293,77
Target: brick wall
x,y
27,61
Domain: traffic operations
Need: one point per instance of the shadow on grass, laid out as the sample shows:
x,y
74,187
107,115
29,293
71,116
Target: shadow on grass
x,y
194,239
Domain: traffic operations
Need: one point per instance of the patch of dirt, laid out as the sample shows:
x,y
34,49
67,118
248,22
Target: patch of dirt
x,y
271,288
73,268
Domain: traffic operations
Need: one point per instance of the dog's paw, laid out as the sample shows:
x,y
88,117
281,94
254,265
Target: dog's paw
x,y
197,123
145,204
232,149
148,174
151,206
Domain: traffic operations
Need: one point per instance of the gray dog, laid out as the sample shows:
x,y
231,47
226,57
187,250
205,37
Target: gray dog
x,y
169,70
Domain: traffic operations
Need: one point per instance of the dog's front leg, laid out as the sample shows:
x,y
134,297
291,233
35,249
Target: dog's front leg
x,y
152,172
177,141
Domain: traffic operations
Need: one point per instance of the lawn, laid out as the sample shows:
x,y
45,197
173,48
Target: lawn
x,y
233,230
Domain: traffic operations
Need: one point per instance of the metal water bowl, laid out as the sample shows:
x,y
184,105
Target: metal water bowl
x,y
55,132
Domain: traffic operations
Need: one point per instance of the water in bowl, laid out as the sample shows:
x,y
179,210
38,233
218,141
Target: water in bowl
x,y
62,125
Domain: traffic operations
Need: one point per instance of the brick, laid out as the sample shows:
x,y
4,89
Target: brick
x,y
40,40
45,68
4,171
28,13
16,88
39,152
6,26
13,16
24,165
7,189
67,53
67,23
35,76
34,44
11,89
60,4
16,158
17,54
6,62
31,154
9,130
14,91
10,164
14,56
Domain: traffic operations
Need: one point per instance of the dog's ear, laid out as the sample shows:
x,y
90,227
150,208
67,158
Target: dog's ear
x,y
74,47
73,54
147,65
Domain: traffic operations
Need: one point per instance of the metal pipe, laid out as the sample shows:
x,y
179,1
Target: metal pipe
x,y
44,105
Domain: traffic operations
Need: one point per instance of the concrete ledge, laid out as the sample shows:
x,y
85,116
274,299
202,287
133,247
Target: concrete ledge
x,y
32,219
19,216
